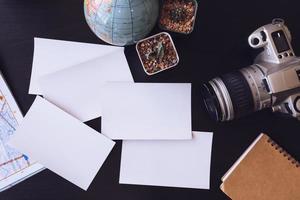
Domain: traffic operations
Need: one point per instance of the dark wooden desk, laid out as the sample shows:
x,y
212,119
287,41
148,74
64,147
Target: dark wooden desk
x,y
217,45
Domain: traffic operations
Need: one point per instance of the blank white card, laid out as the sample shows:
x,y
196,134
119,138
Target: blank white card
x,y
77,89
54,55
184,163
141,111
62,143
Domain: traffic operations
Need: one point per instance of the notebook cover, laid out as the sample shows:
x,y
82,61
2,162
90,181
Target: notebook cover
x,y
265,172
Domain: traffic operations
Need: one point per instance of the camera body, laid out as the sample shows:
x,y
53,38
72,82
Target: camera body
x,y
273,81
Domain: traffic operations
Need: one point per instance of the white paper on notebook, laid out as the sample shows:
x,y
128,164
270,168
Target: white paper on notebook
x,y
62,143
54,55
78,89
141,111
184,163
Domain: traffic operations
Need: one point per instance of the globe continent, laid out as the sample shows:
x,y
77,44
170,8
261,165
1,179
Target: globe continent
x,y
121,22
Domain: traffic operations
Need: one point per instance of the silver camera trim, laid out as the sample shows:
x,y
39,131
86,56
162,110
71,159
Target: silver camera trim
x,y
274,78
225,102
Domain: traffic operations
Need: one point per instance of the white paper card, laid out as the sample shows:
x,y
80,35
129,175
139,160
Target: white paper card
x,y
184,163
78,89
62,143
141,111
54,55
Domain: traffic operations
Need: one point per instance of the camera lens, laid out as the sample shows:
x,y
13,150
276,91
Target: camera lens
x,y
240,93
235,94
211,102
217,100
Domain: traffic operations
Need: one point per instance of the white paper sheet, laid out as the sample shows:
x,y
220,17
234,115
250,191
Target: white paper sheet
x,y
183,163
78,89
141,111
62,143
54,55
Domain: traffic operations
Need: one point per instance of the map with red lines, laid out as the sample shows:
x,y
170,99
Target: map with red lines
x,y
14,166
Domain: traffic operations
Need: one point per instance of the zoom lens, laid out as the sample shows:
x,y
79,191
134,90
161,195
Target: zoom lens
x,y
236,94
211,102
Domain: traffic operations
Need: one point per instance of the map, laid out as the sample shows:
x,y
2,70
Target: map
x,y
14,166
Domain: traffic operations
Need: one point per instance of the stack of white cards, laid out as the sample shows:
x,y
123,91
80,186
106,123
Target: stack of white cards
x,y
80,82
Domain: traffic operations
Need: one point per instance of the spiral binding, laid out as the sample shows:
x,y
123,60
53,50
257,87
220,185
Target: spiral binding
x,y
284,153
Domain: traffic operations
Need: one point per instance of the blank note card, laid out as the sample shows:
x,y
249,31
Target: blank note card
x,y
142,111
78,89
184,163
54,55
62,143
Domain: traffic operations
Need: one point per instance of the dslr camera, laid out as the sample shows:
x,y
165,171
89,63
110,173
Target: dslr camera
x,y
273,81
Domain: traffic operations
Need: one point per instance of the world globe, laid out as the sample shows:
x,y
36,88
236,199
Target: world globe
x,y
121,22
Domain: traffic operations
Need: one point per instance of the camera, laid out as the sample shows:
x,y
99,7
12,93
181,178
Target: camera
x,y
273,81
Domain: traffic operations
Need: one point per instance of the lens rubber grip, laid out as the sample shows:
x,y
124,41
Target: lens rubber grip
x,y
240,93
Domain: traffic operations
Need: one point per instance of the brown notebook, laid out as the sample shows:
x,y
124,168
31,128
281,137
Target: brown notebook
x,y
264,172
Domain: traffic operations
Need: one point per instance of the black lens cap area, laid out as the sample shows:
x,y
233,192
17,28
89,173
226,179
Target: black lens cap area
x,y
211,102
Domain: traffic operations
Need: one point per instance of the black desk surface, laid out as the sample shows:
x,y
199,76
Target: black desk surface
x,y
217,45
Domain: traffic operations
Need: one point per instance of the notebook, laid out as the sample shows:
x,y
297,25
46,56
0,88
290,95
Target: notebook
x,y
264,172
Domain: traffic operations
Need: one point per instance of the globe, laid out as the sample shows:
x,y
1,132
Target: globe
x,y
121,22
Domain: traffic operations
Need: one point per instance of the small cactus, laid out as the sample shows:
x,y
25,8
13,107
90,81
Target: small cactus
x,y
157,53
177,14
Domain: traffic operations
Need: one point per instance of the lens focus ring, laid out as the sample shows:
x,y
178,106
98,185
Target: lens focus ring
x,y
240,93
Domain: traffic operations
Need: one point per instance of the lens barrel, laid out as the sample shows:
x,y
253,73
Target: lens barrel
x,y
240,93
211,102
235,94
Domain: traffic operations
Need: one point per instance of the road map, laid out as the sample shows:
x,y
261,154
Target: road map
x,y
14,166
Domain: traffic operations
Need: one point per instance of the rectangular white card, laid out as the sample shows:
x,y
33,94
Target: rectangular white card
x,y
184,163
77,89
142,111
54,55
62,143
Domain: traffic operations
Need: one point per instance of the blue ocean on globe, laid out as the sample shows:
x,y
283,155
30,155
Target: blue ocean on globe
x,y
121,22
